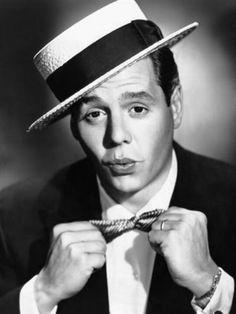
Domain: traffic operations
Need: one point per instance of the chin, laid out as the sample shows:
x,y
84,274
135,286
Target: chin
x,y
126,185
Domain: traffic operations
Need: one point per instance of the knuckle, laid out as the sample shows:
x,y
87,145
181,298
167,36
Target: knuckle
x,y
56,230
92,226
199,216
75,251
100,260
96,261
171,208
202,217
71,250
184,226
96,232
152,235
176,209
84,224
172,235
190,219
80,247
64,239
98,235
102,246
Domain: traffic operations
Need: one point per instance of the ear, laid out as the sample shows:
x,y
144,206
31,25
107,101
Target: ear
x,y
177,106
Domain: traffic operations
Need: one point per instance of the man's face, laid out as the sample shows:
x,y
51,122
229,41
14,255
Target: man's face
x,y
126,127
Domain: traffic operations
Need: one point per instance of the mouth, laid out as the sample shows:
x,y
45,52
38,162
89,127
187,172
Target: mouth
x,y
121,166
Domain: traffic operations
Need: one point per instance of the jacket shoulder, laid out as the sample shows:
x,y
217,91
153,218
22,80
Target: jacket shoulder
x,y
208,171
30,194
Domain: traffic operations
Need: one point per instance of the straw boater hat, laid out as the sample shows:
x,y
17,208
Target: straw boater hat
x,y
96,48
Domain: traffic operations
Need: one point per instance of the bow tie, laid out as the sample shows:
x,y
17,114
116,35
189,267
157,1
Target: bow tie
x,y
114,228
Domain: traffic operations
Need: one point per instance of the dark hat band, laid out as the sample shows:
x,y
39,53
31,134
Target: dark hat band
x,y
102,56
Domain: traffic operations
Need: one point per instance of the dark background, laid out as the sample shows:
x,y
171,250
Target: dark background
x,y
207,69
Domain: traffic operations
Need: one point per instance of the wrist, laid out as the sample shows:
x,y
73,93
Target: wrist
x,y
202,281
45,299
203,300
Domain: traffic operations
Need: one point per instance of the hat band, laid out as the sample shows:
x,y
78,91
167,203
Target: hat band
x,y
102,56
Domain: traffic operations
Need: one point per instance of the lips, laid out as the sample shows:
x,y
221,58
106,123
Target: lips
x,y
121,166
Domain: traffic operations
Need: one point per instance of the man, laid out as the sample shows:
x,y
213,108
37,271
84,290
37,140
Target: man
x,y
125,101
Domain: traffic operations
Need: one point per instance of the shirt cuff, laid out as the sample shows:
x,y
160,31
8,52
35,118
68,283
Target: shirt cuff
x,y
222,298
28,303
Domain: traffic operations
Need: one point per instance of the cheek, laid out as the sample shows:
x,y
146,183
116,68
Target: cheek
x,y
156,134
91,140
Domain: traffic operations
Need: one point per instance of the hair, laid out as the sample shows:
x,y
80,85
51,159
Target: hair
x,y
166,71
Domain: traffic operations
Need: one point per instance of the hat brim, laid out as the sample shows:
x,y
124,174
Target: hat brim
x,y
62,109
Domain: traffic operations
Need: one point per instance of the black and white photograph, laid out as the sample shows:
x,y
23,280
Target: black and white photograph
x,y
117,157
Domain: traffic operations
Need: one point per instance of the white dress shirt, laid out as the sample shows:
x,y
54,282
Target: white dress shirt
x,y
130,259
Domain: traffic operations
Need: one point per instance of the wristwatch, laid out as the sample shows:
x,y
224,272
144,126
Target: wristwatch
x,y
205,298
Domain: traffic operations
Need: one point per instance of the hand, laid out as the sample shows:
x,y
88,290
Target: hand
x,y
183,242
77,249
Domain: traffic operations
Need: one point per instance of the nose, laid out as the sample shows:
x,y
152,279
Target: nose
x,y
118,131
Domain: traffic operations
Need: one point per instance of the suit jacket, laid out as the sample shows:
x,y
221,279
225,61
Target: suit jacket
x,y
29,210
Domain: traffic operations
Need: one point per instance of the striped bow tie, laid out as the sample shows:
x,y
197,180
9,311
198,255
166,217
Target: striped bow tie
x,y
114,228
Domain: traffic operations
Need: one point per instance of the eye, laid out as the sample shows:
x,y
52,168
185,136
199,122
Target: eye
x,y
95,115
138,110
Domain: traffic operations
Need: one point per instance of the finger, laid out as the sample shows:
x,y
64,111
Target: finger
x,y
72,226
91,247
77,256
170,216
177,210
166,225
170,231
66,238
191,217
96,261
182,214
157,239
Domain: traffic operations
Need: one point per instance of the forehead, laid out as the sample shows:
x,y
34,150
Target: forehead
x,y
136,78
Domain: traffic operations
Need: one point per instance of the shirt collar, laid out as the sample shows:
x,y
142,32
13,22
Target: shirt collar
x,y
112,210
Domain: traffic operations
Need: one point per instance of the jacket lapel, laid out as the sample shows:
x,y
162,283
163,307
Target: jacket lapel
x,y
93,298
164,295
77,199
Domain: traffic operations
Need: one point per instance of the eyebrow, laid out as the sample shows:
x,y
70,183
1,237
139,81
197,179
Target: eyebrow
x,y
139,95
124,96
92,98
